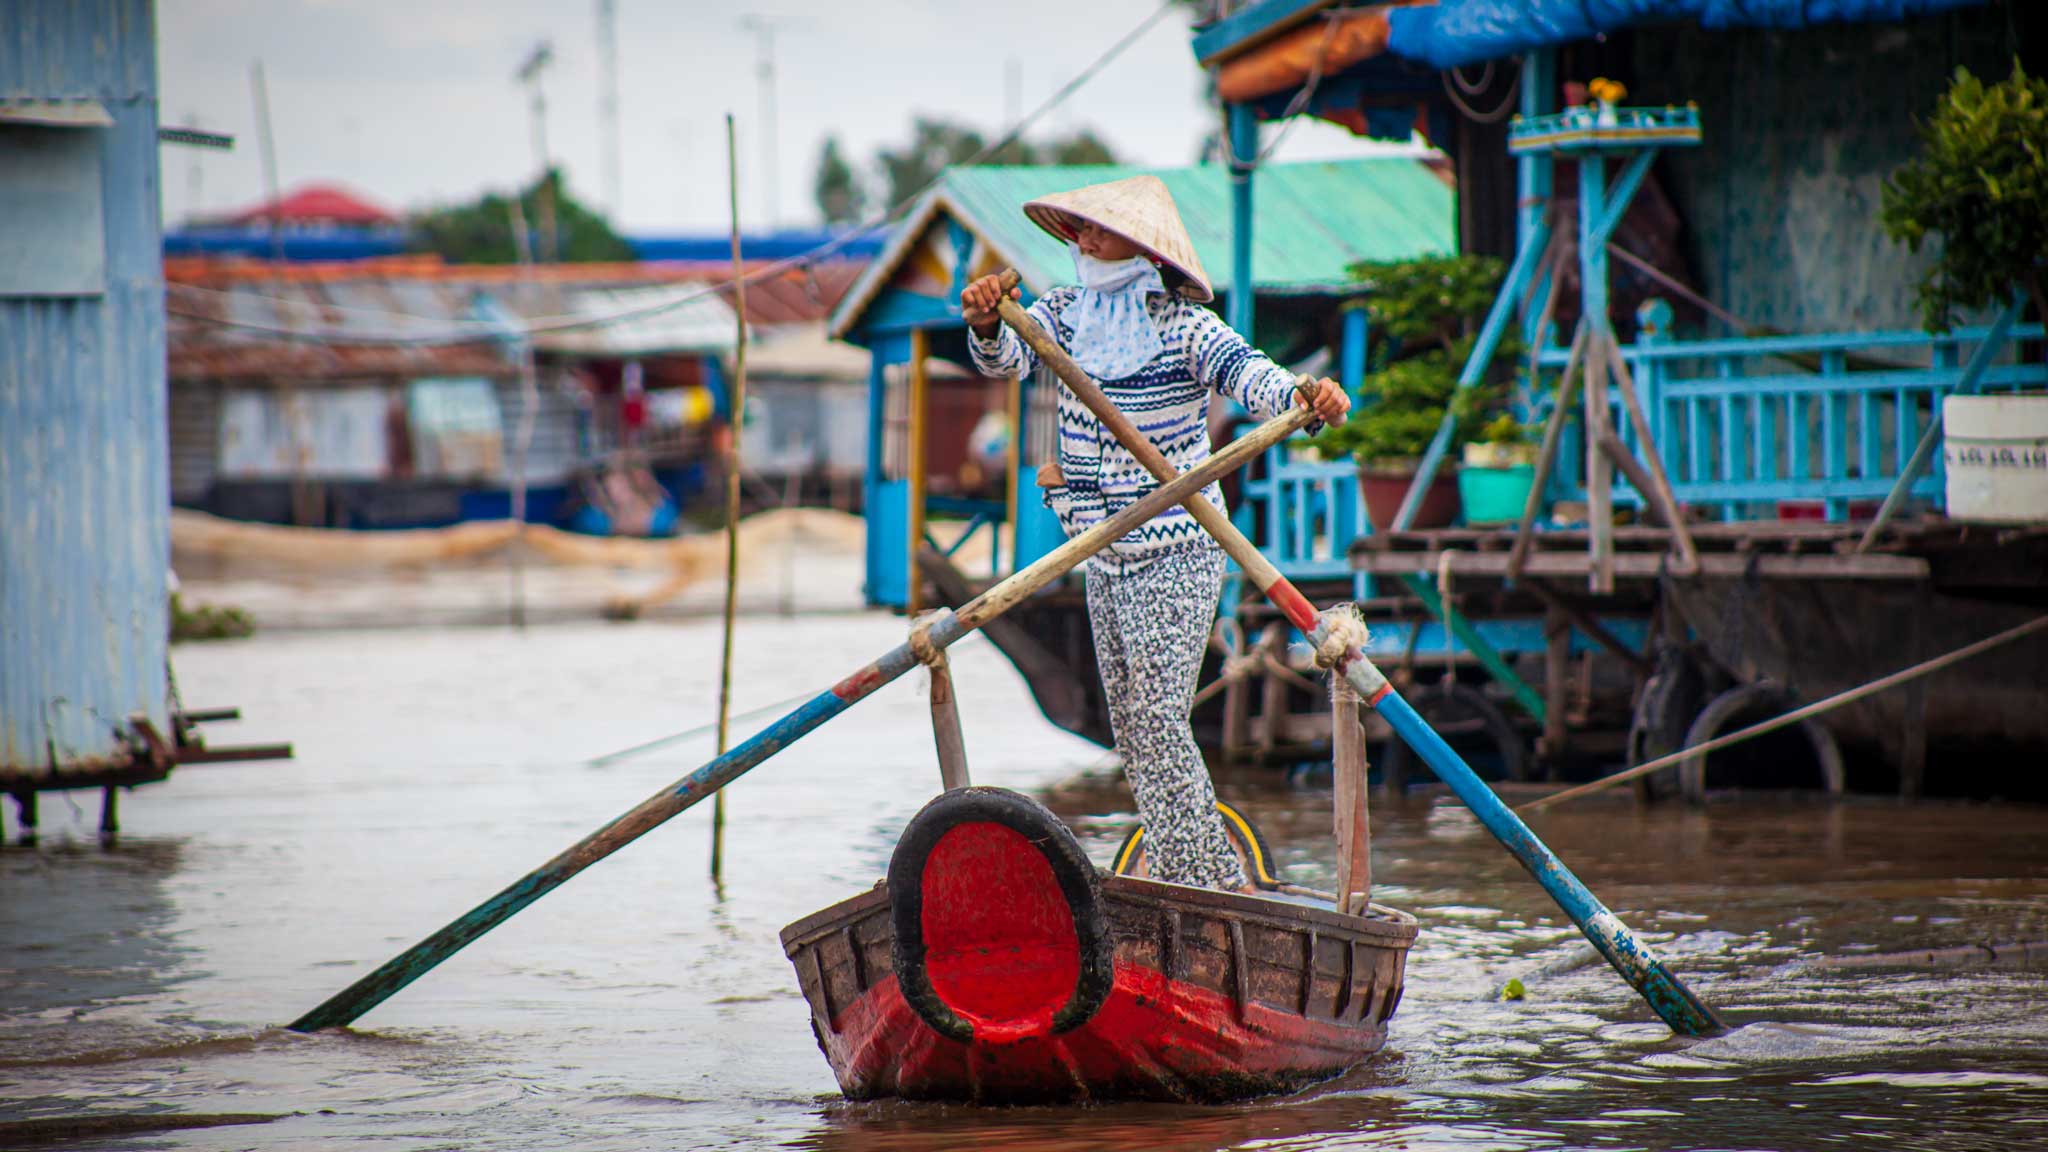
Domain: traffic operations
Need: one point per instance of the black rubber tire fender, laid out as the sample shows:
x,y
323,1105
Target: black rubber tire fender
x,y
1078,880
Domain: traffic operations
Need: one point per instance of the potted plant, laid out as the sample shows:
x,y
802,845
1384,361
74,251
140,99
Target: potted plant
x,y
1427,312
1980,185
1499,469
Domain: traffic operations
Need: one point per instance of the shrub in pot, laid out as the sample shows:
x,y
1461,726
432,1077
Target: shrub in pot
x,y
1427,312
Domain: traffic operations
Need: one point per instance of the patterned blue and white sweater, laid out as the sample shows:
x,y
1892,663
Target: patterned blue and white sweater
x,y
1168,399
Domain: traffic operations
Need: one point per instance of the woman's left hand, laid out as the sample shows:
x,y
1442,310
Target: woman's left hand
x,y
1327,397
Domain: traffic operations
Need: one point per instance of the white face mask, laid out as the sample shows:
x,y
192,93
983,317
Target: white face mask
x,y
1114,335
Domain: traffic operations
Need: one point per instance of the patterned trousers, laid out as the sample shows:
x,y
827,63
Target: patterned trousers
x,y
1151,627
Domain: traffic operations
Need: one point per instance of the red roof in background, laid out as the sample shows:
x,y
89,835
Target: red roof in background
x,y
792,296
317,203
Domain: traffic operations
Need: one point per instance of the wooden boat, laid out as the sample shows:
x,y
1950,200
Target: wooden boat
x,y
997,965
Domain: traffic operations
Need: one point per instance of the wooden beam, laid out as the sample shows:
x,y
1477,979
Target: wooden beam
x,y
1546,456
1586,622
1650,565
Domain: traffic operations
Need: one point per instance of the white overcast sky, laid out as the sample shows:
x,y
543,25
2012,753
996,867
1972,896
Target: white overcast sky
x,y
413,102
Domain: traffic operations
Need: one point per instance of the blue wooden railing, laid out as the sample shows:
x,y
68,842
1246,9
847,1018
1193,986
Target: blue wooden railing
x,y
1740,425
1744,424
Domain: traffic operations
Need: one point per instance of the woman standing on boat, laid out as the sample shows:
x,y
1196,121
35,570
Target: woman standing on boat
x,y
1137,325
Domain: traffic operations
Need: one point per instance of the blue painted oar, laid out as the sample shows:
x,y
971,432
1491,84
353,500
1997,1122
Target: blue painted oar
x,y
1667,996
373,989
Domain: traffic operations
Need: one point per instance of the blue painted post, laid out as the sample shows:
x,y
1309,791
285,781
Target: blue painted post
x,y
1351,355
1347,506
1244,157
1644,971
1599,333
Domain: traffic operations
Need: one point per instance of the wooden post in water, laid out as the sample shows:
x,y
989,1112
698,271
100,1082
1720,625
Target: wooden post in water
x,y
736,417
1354,822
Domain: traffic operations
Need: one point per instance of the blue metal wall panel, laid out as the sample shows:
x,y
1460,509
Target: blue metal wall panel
x,y
84,474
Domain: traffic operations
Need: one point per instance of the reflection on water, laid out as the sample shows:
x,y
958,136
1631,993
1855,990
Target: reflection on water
x,y
636,1008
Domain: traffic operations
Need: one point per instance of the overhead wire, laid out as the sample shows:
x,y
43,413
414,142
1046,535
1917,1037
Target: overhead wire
x,y
472,332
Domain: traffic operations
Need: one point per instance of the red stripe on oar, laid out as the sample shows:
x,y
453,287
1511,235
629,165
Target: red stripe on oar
x,y
1381,694
1293,604
859,684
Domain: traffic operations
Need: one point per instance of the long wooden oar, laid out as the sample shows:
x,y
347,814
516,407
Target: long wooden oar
x,y
1637,964
374,988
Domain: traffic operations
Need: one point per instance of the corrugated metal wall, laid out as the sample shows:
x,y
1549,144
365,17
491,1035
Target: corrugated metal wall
x,y
84,481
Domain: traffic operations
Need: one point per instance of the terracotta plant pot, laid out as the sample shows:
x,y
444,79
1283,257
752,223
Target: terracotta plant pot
x,y
1382,484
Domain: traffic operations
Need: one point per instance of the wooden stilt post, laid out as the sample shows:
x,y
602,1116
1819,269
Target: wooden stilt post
x,y
110,811
1659,492
1557,655
25,815
1272,689
1599,469
946,733
1546,456
1354,824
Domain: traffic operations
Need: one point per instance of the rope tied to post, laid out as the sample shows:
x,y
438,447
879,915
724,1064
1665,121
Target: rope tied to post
x,y
1343,634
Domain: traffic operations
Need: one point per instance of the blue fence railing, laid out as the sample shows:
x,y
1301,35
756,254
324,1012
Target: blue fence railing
x,y
1742,425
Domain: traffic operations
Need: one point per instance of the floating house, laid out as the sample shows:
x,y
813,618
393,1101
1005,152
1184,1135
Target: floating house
x,y
86,699
1319,219
1773,347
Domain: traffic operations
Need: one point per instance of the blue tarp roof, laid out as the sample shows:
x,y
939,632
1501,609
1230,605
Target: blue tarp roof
x,y
1457,32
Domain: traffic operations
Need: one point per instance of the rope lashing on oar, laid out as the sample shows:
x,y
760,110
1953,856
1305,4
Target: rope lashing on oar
x,y
1345,633
921,645
1792,717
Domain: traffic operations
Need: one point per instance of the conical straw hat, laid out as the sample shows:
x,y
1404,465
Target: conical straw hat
x,y
1140,210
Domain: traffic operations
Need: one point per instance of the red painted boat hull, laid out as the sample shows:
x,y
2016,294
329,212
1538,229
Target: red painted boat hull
x,y
1211,996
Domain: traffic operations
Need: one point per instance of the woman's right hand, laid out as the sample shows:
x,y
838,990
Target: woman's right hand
x,y
978,303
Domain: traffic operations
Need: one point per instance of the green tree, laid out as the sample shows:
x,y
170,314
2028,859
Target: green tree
x,y
480,232
936,145
841,199
1981,184
1083,147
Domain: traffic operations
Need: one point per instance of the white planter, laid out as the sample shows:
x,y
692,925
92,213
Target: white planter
x,y
1996,451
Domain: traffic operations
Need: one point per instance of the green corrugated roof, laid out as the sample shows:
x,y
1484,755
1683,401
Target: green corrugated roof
x,y
1312,221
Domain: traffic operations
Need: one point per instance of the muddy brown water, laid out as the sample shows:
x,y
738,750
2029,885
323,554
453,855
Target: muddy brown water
x,y
638,1008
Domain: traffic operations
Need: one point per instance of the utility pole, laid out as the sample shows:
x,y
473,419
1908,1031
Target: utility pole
x,y
764,39
608,106
267,146
529,74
